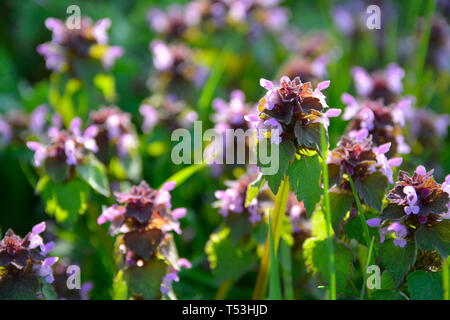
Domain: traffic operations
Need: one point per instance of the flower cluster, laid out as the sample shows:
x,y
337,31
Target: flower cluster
x,y
144,218
381,84
223,13
425,126
231,202
88,41
356,155
413,202
174,62
168,110
172,23
62,273
383,122
295,111
20,256
116,134
65,148
310,58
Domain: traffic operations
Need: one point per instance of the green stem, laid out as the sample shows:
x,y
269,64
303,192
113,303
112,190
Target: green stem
x,y
445,278
286,268
360,211
326,196
223,290
278,215
369,256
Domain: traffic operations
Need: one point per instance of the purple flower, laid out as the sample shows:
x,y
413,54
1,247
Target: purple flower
x,y
109,214
38,119
45,269
150,117
375,222
363,81
162,56
100,30
411,197
111,55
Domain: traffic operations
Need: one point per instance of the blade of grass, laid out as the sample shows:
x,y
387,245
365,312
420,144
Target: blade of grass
x,y
181,176
207,93
223,290
369,256
286,270
278,215
330,246
445,278
274,288
423,48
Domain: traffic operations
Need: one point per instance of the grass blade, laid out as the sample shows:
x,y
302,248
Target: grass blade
x,y
369,256
445,278
326,196
276,223
286,270
181,176
207,93
274,288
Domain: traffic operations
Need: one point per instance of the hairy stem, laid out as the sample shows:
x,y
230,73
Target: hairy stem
x,y
326,196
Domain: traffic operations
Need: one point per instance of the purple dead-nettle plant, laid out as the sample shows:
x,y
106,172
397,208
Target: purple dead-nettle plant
x,y
64,149
231,204
231,201
310,60
383,122
168,110
88,42
175,63
229,120
17,126
61,272
116,135
381,84
295,110
417,210
144,219
26,256
172,23
221,14
367,165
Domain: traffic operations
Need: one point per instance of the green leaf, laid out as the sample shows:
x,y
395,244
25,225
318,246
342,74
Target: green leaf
x,y
47,290
120,289
286,154
64,200
437,205
228,262
437,237
372,189
387,295
274,287
340,204
94,173
308,136
25,287
181,176
56,169
315,253
304,177
424,285
387,283
239,226
398,260
392,212
144,282
253,189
